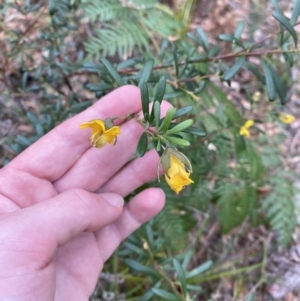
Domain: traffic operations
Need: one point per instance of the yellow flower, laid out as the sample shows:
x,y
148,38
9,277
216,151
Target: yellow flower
x,y
244,129
256,96
177,169
286,118
102,132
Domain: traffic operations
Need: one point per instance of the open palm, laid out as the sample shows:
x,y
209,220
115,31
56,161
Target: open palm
x,y
61,205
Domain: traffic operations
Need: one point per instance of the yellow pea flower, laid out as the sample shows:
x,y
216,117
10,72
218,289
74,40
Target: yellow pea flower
x,y
286,118
244,130
256,96
102,132
177,169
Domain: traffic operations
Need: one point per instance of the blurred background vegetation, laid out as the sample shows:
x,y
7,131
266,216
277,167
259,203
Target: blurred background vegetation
x,y
234,233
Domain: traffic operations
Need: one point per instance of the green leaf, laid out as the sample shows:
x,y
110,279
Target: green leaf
x,y
214,50
280,88
167,120
164,294
276,6
32,118
182,111
180,127
145,100
196,288
199,270
295,13
180,275
142,145
156,109
234,68
231,39
178,141
288,56
112,72
176,113
174,50
160,89
187,259
269,81
141,268
23,140
195,131
284,22
147,296
24,79
204,39
255,71
173,94
52,7
239,29
146,72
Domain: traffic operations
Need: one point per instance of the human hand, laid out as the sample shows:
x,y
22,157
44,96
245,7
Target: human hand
x,y
61,205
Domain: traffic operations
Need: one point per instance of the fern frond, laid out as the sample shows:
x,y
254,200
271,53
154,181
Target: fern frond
x,y
175,220
279,207
104,10
120,40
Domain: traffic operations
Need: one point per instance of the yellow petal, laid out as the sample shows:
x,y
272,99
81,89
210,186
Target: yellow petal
x,y
111,134
256,96
177,177
244,132
248,123
286,118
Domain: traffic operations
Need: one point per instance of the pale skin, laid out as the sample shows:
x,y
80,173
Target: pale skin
x,y
61,205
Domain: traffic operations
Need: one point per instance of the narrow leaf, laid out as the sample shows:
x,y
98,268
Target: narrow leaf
x,y
284,21
276,6
180,275
231,39
174,50
164,294
182,111
269,81
167,120
288,56
140,268
226,38
239,29
197,288
234,68
145,99
280,88
146,72
156,109
187,259
195,39
255,71
195,131
160,89
147,296
204,39
200,269
142,145
180,127
178,141
112,71
295,13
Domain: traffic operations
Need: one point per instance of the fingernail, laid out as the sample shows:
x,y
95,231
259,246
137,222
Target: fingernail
x,y
113,199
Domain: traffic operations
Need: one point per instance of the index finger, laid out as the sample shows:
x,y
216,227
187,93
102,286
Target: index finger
x,y
52,155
